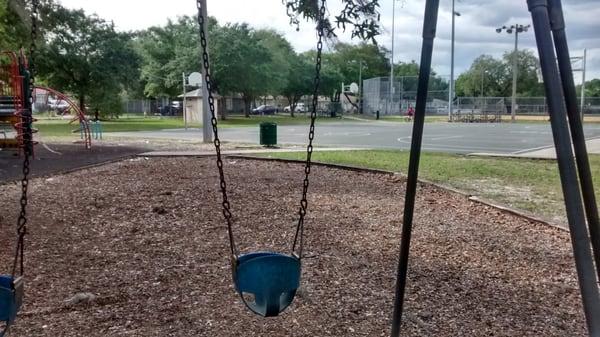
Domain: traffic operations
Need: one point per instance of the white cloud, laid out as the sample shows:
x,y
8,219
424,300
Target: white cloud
x,y
475,30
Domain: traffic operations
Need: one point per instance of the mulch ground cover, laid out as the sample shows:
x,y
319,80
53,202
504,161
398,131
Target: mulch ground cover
x,y
139,248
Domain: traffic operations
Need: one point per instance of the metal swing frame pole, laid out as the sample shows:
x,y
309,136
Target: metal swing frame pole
x,y
561,45
429,30
579,236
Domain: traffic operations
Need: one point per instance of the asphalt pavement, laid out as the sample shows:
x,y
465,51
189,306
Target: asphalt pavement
x,y
505,138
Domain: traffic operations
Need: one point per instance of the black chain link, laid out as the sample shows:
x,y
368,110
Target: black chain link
x,y
299,236
226,205
27,137
211,103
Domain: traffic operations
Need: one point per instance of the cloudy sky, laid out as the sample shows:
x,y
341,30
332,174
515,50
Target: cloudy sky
x,y
475,28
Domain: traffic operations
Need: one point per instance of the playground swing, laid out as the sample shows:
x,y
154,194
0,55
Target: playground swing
x,y
266,281
12,285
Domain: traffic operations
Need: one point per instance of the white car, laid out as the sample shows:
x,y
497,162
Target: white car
x,y
299,108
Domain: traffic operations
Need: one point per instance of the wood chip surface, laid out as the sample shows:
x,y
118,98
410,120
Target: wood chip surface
x,y
142,246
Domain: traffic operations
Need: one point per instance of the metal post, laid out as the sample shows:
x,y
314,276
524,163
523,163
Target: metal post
x,y
577,134
451,87
429,28
482,71
568,174
185,122
583,84
360,88
207,132
513,109
392,58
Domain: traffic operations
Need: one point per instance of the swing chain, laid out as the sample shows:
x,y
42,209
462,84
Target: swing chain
x,y
299,236
26,118
211,102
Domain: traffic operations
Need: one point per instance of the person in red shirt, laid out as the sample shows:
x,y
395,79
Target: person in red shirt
x,y
410,113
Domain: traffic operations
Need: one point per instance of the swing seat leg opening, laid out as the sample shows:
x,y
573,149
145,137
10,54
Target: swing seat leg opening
x,y
267,282
11,298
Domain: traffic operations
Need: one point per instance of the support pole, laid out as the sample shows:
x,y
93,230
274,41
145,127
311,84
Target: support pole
x,y
566,164
429,30
185,122
575,122
207,132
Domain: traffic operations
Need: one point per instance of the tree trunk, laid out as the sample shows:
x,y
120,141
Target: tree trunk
x,y
247,101
290,100
82,102
222,109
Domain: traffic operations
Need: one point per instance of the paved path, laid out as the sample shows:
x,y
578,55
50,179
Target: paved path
x,y
503,138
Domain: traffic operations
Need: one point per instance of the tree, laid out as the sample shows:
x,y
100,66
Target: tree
x,y
300,81
486,73
495,76
15,22
240,64
169,51
592,88
362,16
347,58
331,77
528,64
281,53
85,56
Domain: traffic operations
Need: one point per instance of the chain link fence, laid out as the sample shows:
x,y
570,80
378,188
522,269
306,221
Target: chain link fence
x,y
377,97
539,106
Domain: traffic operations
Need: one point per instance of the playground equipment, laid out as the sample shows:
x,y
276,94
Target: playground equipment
x,y
68,108
12,285
13,84
548,19
266,281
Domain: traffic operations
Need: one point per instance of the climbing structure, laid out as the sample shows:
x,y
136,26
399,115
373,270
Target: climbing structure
x,y
12,96
42,96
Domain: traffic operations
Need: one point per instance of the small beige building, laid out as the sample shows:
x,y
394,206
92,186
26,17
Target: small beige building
x,y
193,105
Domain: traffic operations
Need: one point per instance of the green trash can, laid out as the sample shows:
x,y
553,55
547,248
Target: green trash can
x,y
268,133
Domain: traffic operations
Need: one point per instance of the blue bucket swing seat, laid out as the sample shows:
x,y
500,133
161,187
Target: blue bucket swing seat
x,y
11,298
267,282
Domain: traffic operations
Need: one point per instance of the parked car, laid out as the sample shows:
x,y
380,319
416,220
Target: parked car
x,y
173,109
58,105
265,110
299,108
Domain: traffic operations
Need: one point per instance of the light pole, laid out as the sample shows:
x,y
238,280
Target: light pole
x,y
583,60
483,73
360,87
451,89
516,29
392,58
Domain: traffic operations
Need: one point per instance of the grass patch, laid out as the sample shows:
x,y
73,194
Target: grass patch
x,y
62,128
280,119
531,185
58,128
